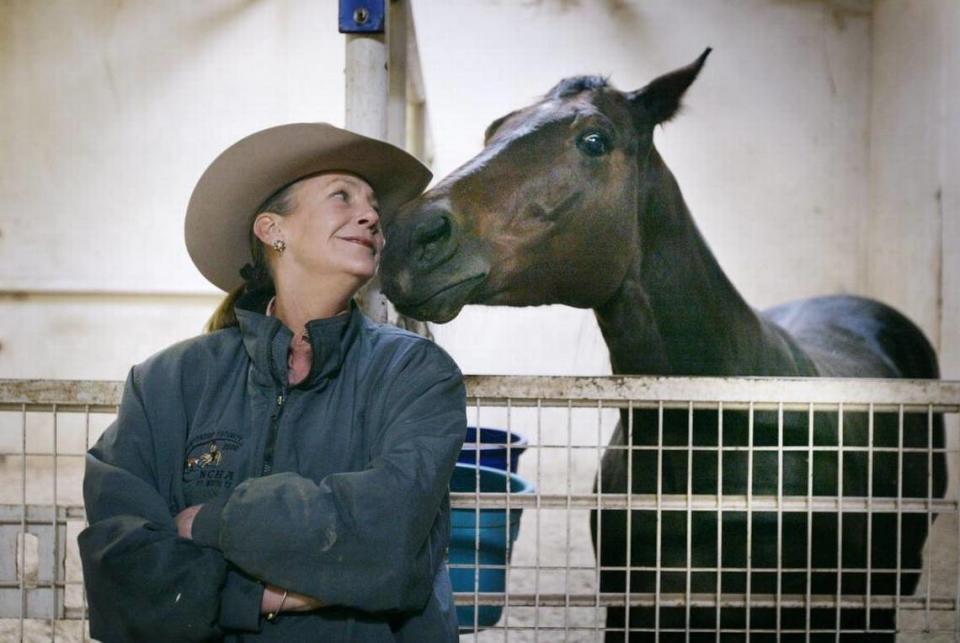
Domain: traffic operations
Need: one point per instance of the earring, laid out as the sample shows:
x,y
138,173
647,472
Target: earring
x,y
279,245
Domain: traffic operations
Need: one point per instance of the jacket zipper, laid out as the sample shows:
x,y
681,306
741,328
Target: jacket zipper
x,y
272,435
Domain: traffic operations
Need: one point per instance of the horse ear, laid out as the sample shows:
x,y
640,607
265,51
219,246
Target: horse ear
x,y
495,125
659,100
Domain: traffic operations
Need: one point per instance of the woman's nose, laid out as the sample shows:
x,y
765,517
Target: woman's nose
x,y
369,216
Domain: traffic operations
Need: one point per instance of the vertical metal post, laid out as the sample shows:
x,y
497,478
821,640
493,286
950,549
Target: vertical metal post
x,y
476,535
365,108
629,560
567,542
808,605
719,611
839,595
22,537
750,454
536,572
508,527
396,117
599,537
55,577
659,540
416,122
689,571
779,596
84,633
870,515
376,102
366,85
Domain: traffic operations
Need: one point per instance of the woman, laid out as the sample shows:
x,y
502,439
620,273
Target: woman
x,y
284,477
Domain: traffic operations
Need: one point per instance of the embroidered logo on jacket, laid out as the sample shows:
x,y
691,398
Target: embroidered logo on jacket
x,y
213,456
211,460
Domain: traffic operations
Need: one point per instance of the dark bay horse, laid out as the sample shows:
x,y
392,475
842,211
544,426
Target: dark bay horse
x,y
569,202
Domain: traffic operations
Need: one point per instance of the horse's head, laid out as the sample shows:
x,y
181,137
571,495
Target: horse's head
x,y
546,213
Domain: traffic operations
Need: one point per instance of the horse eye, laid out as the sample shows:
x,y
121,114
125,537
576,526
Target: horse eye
x,y
593,144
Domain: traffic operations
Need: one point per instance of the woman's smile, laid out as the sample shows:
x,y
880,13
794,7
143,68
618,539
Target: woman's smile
x,y
362,241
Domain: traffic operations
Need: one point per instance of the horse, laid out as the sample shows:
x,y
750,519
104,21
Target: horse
x,y
570,202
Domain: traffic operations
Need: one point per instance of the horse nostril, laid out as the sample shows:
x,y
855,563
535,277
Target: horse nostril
x,y
433,230
432,240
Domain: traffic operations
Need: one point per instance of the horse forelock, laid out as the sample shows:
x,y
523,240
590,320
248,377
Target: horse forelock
x,y
576,84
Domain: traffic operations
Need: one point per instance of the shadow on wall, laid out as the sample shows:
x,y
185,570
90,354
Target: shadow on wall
x,y
620,7
840,10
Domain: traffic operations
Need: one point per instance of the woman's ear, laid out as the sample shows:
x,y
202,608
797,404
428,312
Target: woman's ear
x,y
266,228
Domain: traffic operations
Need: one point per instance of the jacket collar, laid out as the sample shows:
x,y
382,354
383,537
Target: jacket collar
x,y
267,340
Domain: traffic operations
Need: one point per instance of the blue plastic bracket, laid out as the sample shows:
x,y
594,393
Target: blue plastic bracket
x,y
362,16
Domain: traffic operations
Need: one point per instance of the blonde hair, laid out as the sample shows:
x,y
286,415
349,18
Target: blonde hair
x,y
256,275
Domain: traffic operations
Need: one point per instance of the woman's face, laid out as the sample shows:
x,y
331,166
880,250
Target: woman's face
x,y
333,230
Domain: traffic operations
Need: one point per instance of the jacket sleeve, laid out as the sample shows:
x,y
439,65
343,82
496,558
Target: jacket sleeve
x,y
358,539
143,581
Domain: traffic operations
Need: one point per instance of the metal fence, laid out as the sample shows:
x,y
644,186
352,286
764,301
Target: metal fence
x,y
757,508
45,428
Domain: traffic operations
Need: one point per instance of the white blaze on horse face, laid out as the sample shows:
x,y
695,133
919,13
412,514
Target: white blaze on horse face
x,y
404,280
548,107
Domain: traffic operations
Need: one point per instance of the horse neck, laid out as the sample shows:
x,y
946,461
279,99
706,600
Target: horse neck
x,y
676,313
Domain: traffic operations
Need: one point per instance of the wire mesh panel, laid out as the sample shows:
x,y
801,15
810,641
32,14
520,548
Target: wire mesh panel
x,y
45,428
726,509
666,508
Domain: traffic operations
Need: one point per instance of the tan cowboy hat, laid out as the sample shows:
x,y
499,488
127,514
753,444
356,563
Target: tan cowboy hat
x,y
248,172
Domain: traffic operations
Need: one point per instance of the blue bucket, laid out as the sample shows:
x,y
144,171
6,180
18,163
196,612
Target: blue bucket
x,y
492,448
497,532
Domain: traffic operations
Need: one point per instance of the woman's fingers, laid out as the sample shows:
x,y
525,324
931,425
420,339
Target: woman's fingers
x,y
184,521
300,603
294,602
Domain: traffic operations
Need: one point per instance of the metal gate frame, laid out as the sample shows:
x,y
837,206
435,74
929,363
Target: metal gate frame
x,y
50,522
730,394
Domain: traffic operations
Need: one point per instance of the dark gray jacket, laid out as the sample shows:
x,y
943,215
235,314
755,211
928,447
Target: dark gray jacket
x,y
335,488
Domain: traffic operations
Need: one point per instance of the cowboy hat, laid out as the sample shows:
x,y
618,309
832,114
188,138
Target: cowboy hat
x,y
226,197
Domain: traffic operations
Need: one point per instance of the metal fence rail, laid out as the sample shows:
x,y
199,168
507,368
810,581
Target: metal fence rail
x,y
584,412
553,582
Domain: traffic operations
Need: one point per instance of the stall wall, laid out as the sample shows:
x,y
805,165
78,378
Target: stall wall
x,y
111,110
913,249
771,150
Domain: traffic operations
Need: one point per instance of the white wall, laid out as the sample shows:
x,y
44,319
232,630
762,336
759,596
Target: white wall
x,y
914,229
110,112
771,151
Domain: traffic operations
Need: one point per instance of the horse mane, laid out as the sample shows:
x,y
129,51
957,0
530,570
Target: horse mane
x,y
576,84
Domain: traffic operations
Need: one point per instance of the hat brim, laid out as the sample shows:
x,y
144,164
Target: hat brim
x,y
226,197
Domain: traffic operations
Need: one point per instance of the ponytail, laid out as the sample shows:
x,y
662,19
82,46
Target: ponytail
x,y
225,316
256,278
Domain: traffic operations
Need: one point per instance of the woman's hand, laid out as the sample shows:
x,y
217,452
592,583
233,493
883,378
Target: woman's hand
x,y
273,600
184,521
273,595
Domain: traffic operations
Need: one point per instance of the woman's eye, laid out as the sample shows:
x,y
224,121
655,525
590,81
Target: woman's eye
x,y
593,144
342,195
